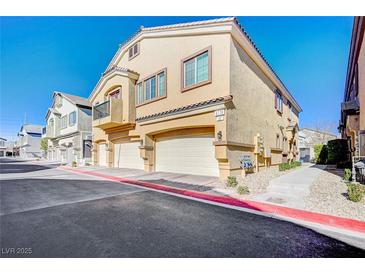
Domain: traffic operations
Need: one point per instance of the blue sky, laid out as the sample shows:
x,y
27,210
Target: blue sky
x,y
42,54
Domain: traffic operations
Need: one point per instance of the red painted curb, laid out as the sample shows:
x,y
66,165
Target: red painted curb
x,y
334,221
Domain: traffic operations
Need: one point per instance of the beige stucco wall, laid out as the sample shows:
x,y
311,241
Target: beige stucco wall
x,y
167,52
253,108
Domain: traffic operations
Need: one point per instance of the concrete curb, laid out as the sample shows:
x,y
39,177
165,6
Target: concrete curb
x,y
298,214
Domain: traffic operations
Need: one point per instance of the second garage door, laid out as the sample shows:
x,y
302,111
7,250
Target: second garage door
x,y
102,155
190,155
127,156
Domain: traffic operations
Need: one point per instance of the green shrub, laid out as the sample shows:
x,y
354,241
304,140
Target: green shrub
x,y
232,181
347,174
355,192
295,164
337,152
320,154
284,166
243,190
74,164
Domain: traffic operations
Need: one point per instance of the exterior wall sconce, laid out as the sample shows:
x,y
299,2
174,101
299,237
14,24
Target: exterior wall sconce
x,y
219,135
141,142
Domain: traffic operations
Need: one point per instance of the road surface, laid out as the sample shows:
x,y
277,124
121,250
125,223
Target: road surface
x,y
49,212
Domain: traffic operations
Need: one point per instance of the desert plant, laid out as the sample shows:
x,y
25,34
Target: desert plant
x,y
355,192
347,174
243,190
232,181
74,164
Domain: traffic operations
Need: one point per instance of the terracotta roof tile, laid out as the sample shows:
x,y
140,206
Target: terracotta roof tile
x,y
185,108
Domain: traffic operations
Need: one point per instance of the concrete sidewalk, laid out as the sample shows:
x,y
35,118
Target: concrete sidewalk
x,y
291,189
183,181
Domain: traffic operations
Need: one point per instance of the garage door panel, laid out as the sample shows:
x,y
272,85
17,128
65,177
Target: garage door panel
x,y
191,155
127,155
102,155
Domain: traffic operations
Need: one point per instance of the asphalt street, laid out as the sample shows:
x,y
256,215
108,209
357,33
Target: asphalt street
x,y
48,212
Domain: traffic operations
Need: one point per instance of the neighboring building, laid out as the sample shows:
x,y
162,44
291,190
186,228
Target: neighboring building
x,y
29,141
192,98
352,123
308,138
2,147
68,129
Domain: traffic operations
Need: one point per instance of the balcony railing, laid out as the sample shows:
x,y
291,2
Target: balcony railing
x,y
102,110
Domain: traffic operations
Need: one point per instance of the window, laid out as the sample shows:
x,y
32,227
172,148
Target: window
x,y
72,118
133,51
115,94
139,93
279,101
277,141
58,101
153,88
63,122
196,70
161,84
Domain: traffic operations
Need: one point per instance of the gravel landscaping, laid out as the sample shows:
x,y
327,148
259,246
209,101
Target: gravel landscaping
x,y
329,196
256,182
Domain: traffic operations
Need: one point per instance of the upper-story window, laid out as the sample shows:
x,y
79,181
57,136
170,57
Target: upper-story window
x,y
72,118
63,122
58,101
133,51
152,88
115,94
196,69
279,101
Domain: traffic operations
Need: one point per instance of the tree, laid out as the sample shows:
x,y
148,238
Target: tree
x,y
44,144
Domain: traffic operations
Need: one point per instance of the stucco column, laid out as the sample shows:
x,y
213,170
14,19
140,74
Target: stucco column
x,y
94,153
109,153
147,153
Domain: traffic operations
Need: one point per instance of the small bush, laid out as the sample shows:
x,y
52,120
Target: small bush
x,y
355,192
286,166
296,164
243,190
74,164
347,174
232,181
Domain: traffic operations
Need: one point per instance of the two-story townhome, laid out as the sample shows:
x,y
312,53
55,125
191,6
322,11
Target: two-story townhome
x,y
29,141
68,129
352,123
196,98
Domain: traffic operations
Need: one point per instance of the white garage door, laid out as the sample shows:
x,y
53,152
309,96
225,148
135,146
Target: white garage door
x,y
69,155
102,155
190,155
127,156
